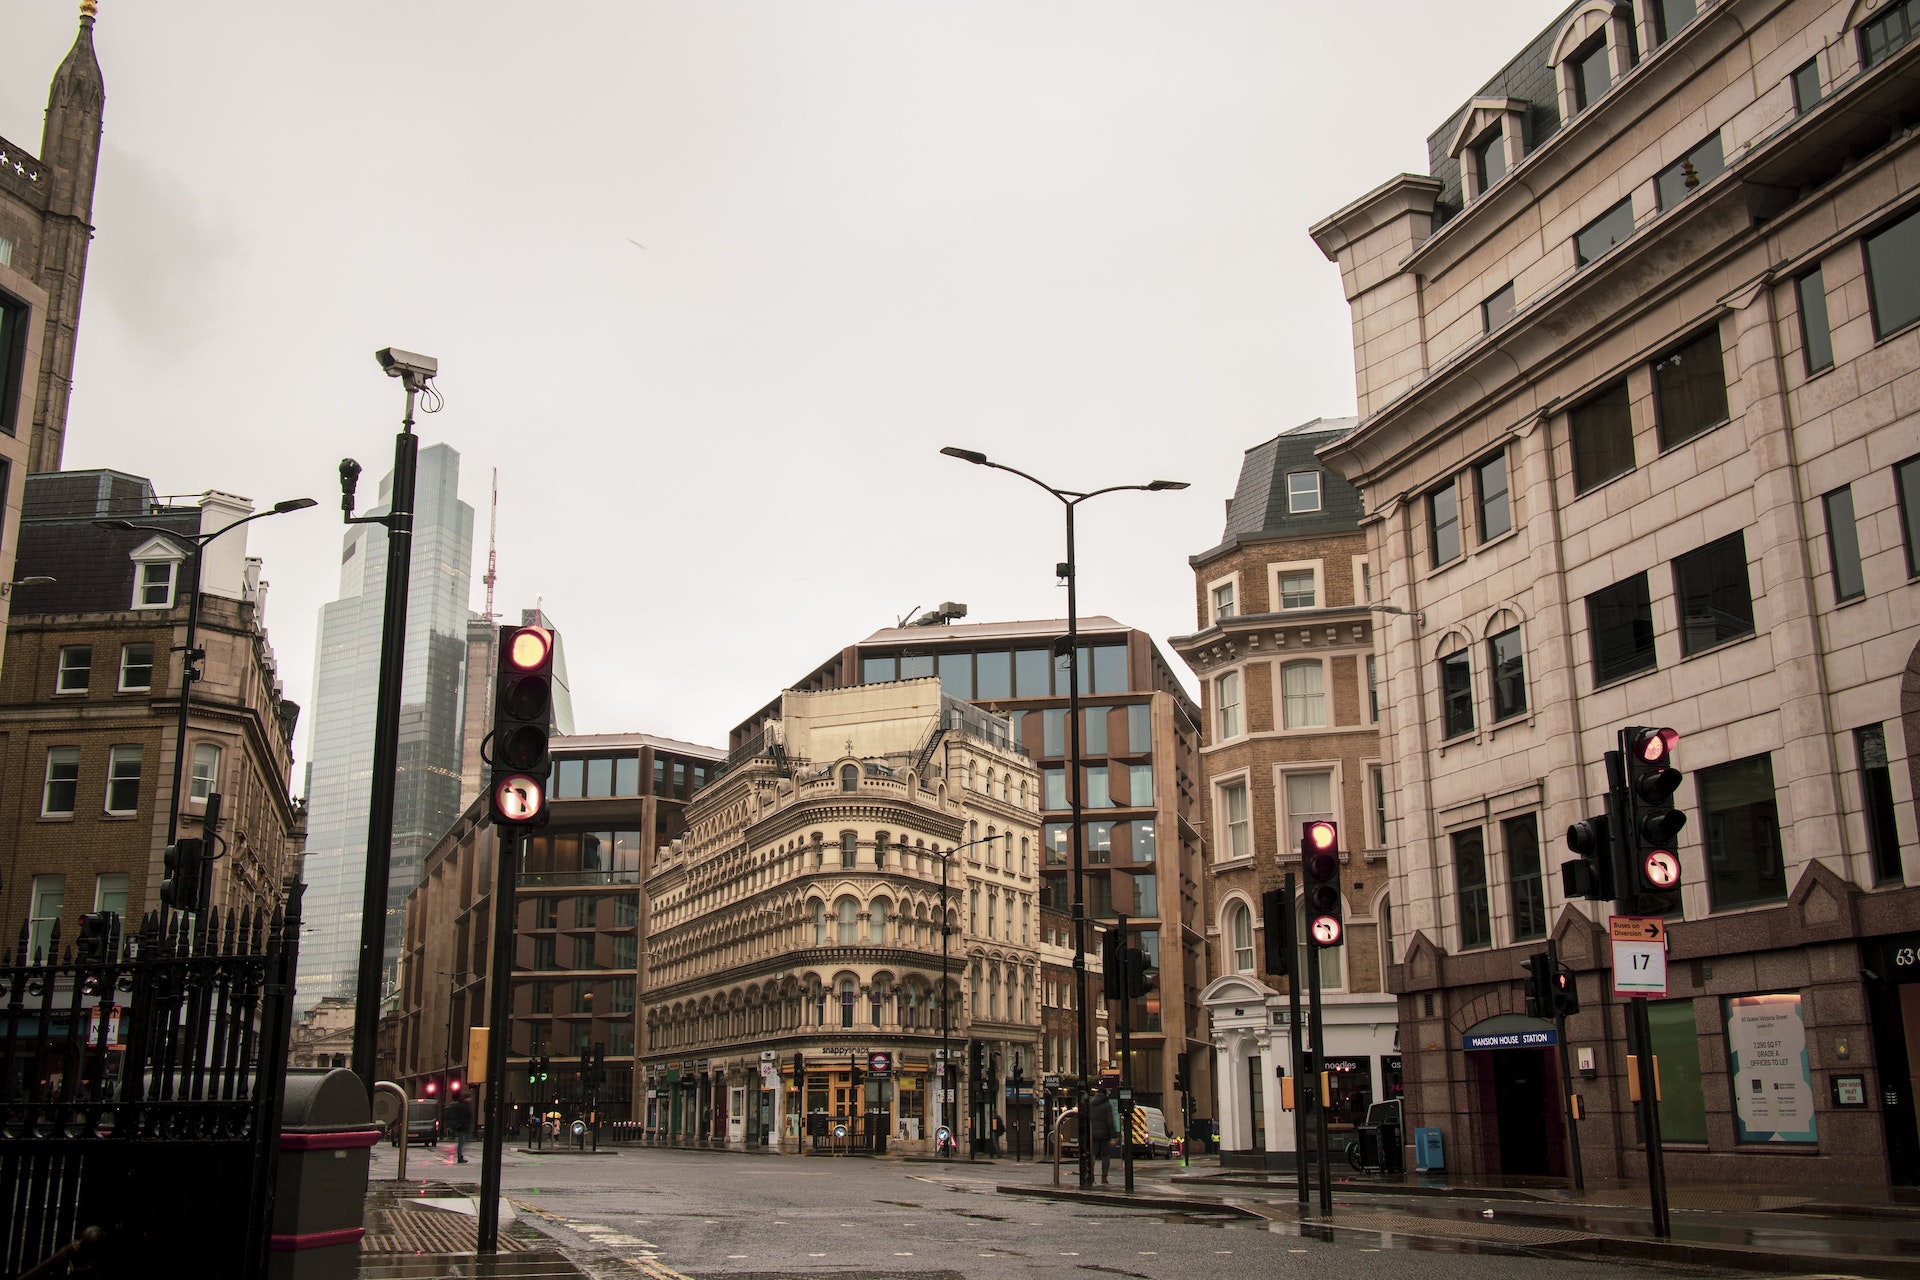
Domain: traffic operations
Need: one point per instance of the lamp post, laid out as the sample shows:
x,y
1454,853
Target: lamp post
x,y
190,655
446,1051
1071,500
946,995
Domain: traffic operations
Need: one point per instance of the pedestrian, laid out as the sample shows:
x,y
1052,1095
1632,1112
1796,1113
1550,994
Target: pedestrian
x,y
1104,1127
999,1127
459,1118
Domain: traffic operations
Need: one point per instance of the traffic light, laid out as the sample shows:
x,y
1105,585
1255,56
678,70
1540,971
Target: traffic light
x,y
433,1088
1566,995
187,886
976,1064
853,1068
1113,958
800,1072
1320,857
522,724
1540,986
1277,915
1592,876
453,1087
1140,977
1179,1073
1653,821
95,942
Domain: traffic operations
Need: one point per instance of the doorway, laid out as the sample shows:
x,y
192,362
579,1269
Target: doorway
x,y
1519,1093
1893,1001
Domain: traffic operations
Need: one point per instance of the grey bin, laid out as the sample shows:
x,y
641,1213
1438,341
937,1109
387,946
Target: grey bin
x,y
320,1194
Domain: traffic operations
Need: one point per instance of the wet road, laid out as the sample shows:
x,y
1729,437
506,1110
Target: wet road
x,y
695,1213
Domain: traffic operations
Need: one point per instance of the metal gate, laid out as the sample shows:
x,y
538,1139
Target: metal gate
x,y
141,1078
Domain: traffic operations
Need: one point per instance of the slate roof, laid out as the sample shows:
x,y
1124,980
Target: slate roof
x,y
90,565
1258,508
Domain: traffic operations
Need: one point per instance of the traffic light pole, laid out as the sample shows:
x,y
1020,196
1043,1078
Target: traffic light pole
x,y
1639,1031
1126,1056
1566,1082
1299,1055
1313,1084
500,1017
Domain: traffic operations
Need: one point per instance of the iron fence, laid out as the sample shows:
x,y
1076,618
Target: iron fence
x,y
141,1080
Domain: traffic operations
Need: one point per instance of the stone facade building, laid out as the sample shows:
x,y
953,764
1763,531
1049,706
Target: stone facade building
x,y
89,706
1636,365
1290,699
801,918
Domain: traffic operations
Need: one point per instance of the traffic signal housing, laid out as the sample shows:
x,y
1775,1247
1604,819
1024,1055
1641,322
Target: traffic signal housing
x,y
1653,821
1140,976
800,1073
1566,994
1540,986
1320,860
522,727
186,886
1276,914
1113,948
1591,876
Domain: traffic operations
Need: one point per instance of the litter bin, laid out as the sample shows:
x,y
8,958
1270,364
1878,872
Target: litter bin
x,y
1428,1155
327,1136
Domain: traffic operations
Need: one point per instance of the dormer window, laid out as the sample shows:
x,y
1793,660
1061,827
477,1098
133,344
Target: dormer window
x,y
1592,73
1595,50
1487,143
1303,491
1490,159
156,572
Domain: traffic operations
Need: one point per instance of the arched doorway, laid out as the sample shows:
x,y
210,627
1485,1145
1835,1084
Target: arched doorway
x,y
1520,1121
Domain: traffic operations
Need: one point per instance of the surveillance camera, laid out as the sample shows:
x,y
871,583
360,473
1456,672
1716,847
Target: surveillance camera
x,y
407,364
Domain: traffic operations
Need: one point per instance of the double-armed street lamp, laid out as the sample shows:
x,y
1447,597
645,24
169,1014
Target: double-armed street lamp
x,y
1071,500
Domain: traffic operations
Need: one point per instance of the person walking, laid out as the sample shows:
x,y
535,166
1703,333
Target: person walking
x,y
1104,1128
459,1119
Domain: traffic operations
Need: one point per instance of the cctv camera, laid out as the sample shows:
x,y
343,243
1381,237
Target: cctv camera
x,y
416,369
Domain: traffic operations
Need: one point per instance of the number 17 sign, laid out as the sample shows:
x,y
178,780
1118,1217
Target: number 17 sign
x,y
1639,956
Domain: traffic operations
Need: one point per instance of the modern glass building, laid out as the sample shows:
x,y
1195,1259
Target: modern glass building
x,y
340,756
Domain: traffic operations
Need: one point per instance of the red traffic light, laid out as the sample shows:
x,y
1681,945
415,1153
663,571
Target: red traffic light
x,y
454,1085
433,1087
1322,836
528,648
1326,930
520,797
1653,746
1661,869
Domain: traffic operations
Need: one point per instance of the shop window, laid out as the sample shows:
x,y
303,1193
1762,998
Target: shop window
x,y
1676,1044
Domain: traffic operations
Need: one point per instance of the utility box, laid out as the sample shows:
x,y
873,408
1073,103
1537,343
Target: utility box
x,y
1428,1153
327,1136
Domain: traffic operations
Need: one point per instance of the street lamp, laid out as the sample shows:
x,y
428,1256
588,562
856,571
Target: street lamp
x,y
946,994
191,655
1071,499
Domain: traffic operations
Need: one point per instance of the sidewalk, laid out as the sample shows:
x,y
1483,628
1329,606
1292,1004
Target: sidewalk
x,y
426,1226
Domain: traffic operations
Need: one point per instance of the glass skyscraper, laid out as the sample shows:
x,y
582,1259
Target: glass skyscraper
x,y
340,758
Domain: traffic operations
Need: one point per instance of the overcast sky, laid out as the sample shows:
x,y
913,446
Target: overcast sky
x,y
1069,233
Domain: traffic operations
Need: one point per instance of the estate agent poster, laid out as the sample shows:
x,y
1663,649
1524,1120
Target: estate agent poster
x,y
1772,1087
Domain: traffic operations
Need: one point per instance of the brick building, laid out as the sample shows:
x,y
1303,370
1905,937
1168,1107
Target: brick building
x,y
89,706
1636,366
1290,702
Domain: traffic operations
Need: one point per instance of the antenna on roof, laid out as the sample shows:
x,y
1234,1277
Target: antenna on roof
x,y
493,521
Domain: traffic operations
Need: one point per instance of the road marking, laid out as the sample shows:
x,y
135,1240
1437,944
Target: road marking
x,y
1149,1253
903,1255
816,1255
1064,1255
735,1257
658,1270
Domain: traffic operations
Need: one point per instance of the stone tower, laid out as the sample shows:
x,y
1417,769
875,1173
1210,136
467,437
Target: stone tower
x,y
70,149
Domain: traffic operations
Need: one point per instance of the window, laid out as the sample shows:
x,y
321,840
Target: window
x,y
1226,703
1443,522
819,923
1593,241
1893,275
1602,438
1139,785
63,781
1490,491
993,675
1142,837
49,896
1377,782
1740,826
1669,16
846,913
1303,491
1816,337
1386,934
956,675
1298,589
1456,693
110,892
1240,931
1690,389
1032,673
1303,701
1620,629
76,669
1373,689
136,667
1876,786
1236,828
1223,601
1906,478
1524,883
993,914
1806,87
1684,176
1470,875
1889,32
1509,668
1093,731
849,849
206,772
1843,545
877,922
1592,73
1054,782
155,588
1139,728
1715,603
878,670
1309,799
1099,793
1498,308
848,995
1490,159
850,778
1053,732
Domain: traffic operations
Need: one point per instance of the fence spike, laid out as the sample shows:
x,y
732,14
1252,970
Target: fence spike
x,y
25,933
246,932
227,939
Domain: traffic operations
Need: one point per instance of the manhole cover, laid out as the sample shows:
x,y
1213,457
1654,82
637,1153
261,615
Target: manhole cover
x,y
426,1231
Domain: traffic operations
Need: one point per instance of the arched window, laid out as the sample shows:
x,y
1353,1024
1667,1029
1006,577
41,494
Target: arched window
x,y
993,912
992,833
993,993
878,912
1385,915
1025,852
878,1002
1240,932
849,849
848,993
819,923
850,777
846,913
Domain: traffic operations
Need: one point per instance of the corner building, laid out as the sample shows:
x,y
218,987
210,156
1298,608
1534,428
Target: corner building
x,y
801,916
1636,366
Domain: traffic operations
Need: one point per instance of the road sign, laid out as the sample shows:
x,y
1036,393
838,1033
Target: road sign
x,y
1637,928
1639,968
768,1055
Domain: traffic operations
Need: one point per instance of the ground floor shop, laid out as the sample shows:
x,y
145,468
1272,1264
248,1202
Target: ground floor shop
x,y
1253,1051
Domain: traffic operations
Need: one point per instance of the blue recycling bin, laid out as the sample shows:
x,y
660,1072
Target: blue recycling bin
x,y
1428,1154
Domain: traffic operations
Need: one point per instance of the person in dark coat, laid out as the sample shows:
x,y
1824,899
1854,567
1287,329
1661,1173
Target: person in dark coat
x,y
1104,1131
459,1120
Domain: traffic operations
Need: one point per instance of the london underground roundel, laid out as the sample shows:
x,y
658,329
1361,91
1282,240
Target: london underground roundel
x,y
520,797
1663,869
1326,930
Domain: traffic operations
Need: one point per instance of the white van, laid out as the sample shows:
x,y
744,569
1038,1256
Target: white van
x,y
1159,1142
